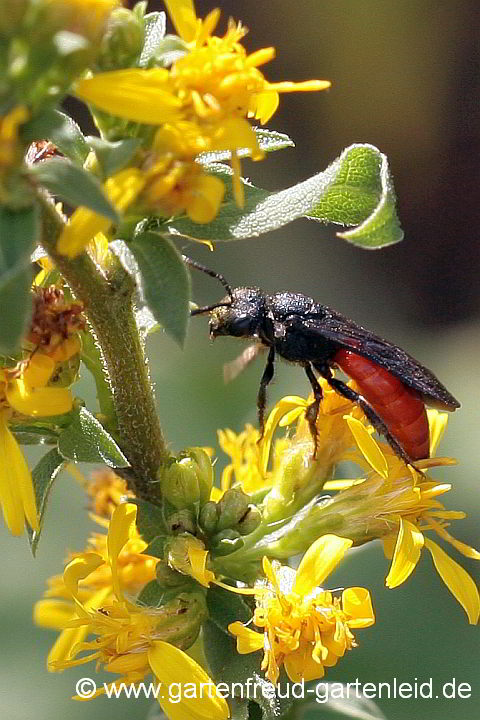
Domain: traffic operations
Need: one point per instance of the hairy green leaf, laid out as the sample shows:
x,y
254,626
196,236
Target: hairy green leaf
x,y
34,435
356,189
165,282
113,156
86,440
61,130
150,522
155,24
18,235
225,607
268,141
74,185
43,476
230,667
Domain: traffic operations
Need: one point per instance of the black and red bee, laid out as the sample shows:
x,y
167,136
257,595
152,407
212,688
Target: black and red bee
x,y
393,387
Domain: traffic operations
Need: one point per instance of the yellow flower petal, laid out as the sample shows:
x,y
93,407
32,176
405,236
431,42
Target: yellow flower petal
x,y
463,548
62,647
198,561
38,401
54,614
356,601
286,405
205,199
121,529
264,105
437,424
368,446
122,189
301,665
408,547
183,16
137,94
247,640
305,86
319,561
171,665
78,569
17,495
39,370
457,580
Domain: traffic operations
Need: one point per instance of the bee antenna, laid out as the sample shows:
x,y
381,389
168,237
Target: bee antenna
x,y
213,274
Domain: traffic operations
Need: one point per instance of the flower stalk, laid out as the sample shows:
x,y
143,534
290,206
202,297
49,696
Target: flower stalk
x,y
108,300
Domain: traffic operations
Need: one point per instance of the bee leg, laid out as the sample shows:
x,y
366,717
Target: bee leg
x,y
342,389
267,377
312,410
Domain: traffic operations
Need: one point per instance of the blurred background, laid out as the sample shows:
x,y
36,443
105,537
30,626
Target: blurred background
x,y
406,77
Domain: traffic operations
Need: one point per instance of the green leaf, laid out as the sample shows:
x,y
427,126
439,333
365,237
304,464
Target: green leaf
x,y
360,192
151,595
356,189
113,156
156,547
74,185
18,235
155,25
271,140
34,435
61,130
86,440
150,522
165,282
268,141
232,668
226,607
43,476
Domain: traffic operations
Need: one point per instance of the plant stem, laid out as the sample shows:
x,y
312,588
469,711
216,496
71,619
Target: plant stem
x,y
108,302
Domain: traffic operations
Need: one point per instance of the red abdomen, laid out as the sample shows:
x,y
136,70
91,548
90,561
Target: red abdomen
x,y
400,407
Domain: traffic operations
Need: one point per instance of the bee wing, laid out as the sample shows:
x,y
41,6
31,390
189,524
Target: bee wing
x,y
347,334
232,369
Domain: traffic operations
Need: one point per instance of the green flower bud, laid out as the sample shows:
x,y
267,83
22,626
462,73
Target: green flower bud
x,y
250,521
122,41
204,472
208,517
226,542
181,522
180,620
180,484
231,508
167,577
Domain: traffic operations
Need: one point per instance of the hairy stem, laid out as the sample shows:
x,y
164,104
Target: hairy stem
x,y
109,307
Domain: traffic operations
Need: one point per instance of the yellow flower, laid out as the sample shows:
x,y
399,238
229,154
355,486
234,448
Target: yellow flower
x,y
400,506
106,490
10,151
122,190
17,496
24,392
245,466
292,469
215,86
188,556
304,627
334,435
173,186
129,638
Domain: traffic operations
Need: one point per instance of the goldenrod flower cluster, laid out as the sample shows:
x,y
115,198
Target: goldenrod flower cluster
x,y
201,103
30,388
